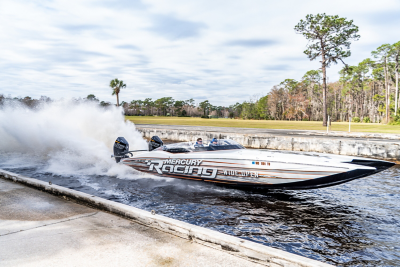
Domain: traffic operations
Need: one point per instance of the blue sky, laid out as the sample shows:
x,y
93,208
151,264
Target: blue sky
x,y
224,51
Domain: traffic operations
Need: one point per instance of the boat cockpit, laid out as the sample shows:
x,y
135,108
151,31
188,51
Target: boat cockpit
x,y
210,145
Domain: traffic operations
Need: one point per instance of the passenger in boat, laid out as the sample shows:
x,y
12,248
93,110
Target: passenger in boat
x,y
199,143
214,142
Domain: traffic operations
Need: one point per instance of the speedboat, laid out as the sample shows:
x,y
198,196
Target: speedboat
x,y
227,162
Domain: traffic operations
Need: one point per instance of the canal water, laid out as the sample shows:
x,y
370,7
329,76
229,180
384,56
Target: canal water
x,y
353,224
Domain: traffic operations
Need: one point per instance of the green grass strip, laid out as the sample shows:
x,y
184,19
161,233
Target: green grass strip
x,y
266,124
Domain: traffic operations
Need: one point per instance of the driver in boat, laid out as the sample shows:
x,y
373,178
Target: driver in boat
x,y
214,142
199,143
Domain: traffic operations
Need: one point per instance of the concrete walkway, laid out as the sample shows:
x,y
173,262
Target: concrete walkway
x,y
39,229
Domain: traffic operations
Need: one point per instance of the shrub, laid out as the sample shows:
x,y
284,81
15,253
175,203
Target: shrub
x,y
395,121
355,119
367,120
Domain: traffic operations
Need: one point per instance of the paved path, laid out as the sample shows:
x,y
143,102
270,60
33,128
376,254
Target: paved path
x,y
39,229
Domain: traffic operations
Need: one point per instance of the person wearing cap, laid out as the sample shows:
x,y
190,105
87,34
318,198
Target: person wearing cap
x,y
214,142
199,143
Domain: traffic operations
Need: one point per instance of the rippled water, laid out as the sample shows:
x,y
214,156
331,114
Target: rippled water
x,y
352,224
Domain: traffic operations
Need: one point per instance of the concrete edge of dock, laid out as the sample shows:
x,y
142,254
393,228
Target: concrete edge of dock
x,y
243,248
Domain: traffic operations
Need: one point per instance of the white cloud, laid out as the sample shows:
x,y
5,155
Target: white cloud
x,y
226,51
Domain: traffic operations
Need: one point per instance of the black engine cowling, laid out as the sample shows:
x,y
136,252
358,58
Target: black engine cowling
x,y
121,146
155,142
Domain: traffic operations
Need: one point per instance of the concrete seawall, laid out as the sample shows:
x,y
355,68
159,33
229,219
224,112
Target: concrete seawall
x,y
253,252
380,146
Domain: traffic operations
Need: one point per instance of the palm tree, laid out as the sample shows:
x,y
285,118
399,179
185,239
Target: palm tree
x,y
116,86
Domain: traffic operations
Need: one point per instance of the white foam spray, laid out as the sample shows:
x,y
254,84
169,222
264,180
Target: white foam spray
x,y
66,138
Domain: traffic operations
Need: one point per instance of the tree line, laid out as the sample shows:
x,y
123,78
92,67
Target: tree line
x,y
35,103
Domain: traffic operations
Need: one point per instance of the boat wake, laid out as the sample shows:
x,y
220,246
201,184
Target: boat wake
x,y
65,138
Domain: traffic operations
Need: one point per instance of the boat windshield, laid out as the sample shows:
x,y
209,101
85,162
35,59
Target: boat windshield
x,y
210,145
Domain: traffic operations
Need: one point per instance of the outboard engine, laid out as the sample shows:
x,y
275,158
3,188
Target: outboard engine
x,y
121,146
155,142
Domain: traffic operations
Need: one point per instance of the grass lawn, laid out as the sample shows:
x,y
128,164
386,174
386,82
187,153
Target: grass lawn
x,y
266,124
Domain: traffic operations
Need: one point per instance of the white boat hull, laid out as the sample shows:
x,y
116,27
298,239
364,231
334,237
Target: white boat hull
x,y
257,168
